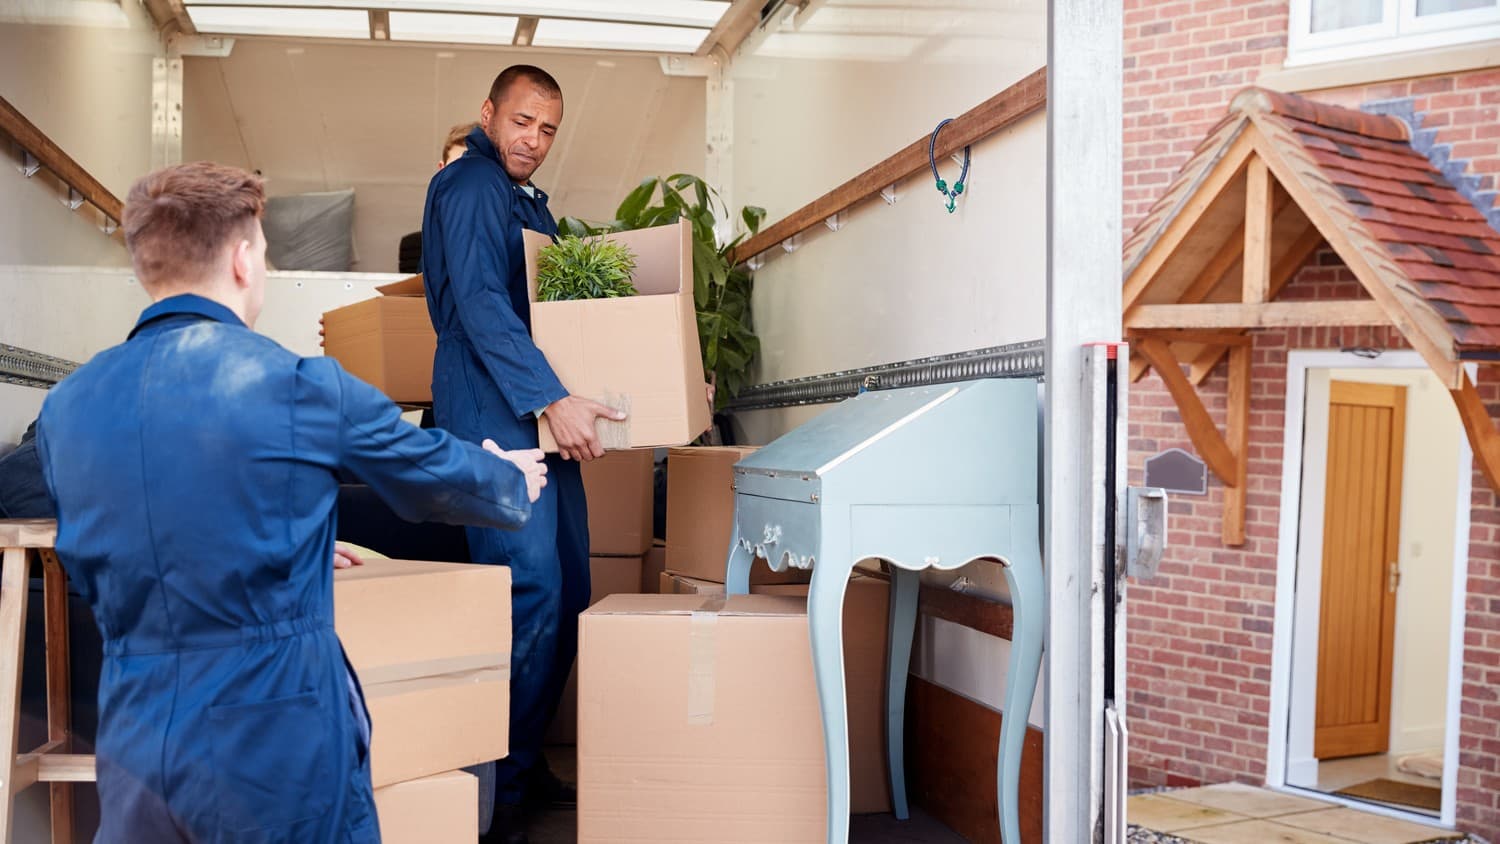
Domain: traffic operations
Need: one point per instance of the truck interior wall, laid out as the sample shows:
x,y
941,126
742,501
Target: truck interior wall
x,y
81,72
317,116
905,280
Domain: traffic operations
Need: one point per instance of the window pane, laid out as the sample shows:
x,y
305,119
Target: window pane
x,y
1331,15
1438,7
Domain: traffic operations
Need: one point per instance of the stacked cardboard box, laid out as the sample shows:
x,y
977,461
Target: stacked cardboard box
x,y
698,721
431,645
621,506
387,341
866,615
700,515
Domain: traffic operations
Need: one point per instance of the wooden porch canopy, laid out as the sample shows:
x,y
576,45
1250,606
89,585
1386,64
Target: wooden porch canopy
x,y
1277,178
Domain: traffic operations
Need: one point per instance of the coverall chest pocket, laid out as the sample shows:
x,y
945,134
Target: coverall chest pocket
x,y
273,763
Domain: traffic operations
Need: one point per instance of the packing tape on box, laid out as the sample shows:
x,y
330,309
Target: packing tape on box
x,y
701,658
444,667
374,691
614,435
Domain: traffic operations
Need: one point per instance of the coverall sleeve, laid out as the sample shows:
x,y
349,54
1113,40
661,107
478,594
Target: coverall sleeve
x,y
423,475
471,219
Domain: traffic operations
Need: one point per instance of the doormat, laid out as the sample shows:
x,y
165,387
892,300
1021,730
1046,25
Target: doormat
x,y
1401,793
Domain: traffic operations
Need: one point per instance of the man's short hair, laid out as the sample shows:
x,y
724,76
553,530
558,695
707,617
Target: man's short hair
x,y
456,137
519,72
178,219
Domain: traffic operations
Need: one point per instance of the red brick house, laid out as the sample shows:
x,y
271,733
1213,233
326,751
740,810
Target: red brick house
x,y
1262,652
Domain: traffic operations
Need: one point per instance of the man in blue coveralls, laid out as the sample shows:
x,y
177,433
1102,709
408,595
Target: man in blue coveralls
x,y
489,379
195,472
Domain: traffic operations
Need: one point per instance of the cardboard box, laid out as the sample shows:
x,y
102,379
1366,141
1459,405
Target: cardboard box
x,y
653,566
607,576
639,353
440,809
866,623
700,515
621,502
431,645
698,721
387,341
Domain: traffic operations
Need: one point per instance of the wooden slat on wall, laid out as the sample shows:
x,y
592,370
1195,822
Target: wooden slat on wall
x,y
985,119
52,157
952,744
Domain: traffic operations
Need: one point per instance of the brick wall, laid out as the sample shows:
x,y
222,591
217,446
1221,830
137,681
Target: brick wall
x,y
1200,635
1184,61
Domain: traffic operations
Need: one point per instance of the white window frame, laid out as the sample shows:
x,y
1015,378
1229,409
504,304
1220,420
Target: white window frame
x,y
1400,30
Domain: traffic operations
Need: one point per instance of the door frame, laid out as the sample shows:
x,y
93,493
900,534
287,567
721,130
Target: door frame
x,y
1291,535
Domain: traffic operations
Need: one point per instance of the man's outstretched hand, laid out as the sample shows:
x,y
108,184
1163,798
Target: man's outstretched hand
x,y
529,462
571,420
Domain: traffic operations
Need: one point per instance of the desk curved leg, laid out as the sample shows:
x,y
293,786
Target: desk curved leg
x,y
825,619
1029,601
905,588
737,569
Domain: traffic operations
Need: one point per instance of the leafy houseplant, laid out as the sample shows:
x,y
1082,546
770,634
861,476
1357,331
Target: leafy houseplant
x,y
584,268
721,290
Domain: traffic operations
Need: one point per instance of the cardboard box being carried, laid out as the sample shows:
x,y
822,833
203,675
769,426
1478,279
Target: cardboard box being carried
x,y
621,503
607,576
700,515
698,721
637,353
866,622
387,341
431,645
440,809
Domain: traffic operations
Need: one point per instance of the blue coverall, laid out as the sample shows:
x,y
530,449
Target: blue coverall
x,y
195,472
490,380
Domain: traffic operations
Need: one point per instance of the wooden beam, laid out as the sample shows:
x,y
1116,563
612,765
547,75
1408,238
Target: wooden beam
x,y
1256,284
1005,108
52,157
1239,443
1186,335
28,533
171,17
969,611
734,26
1374,269
1220,175
1311,313
1281,275
1200,426
1483,438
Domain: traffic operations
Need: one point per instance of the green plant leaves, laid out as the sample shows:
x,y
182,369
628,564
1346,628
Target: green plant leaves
x,y
584,268
721,290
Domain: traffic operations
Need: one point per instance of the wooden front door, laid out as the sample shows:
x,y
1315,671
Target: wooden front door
x,y
1361,523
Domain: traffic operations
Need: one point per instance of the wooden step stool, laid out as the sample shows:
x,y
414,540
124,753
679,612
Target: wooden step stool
x,y
51,763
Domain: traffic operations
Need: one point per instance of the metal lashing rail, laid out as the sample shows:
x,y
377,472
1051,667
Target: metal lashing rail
x,y
32,369
1017,360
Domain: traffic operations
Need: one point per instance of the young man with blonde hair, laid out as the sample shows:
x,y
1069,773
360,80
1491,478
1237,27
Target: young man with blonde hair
x,y
194,468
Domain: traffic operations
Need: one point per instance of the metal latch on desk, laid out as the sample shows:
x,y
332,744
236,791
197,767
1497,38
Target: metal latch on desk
x,y
1145,530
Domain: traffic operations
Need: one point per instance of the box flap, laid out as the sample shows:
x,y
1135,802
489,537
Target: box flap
x,y
405,287
735,605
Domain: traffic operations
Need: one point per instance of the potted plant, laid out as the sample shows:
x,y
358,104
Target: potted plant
x,y
721,290
584,268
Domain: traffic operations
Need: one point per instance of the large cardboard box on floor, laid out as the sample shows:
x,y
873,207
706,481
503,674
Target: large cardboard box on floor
x,y
637,353
866,623
431,645
621,503
387,341
607,576
700,515
440,809
698,721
